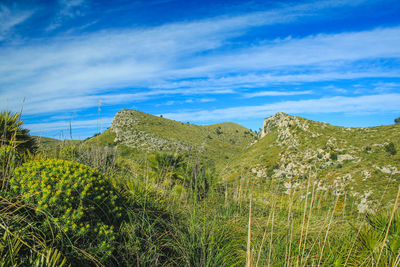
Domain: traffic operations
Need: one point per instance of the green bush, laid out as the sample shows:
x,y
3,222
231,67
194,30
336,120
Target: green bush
x,y
75,199
12,133
389,148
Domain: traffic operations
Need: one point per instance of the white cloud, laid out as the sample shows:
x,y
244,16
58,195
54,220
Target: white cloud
x,y
67,9
339,104
197,100
64,125
321,49
206,100
277,93
9,18
73,72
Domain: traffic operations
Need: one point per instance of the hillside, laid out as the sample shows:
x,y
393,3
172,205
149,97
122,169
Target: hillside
x,y
301,193
140,132
356,162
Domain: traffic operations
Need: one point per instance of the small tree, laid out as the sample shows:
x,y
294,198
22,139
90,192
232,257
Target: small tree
x,y
390,148
397,120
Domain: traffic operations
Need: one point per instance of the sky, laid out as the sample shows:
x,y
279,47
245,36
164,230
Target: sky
x,y
79,62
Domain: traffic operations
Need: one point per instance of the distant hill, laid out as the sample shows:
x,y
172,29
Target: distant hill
x,y
46,143
145,133
360,163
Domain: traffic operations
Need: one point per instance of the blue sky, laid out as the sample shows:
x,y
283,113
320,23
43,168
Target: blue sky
x,y
201,62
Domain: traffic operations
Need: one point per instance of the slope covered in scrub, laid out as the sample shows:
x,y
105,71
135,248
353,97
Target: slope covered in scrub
x,y
360,161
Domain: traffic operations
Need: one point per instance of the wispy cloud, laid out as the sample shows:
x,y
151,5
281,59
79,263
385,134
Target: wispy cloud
x,y
191,100
276,93
65,124
9,18
370,104
67,9
117,66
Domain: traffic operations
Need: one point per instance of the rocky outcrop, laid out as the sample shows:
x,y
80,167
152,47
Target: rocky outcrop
x,y
126,124
336,159
284,123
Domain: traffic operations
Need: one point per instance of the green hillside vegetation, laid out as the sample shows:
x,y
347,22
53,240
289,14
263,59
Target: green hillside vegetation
x,y
155,192
137,134
362,160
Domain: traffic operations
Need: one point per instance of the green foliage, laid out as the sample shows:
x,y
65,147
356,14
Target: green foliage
x,y
390,148
333,156
12,133
174,171
167,166
370,241
50,258
16,242
99,158
73,197
397,120
146,236
9,249
9,157
207,242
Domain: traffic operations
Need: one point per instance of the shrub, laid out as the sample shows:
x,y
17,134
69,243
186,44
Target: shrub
x,y
12,133
99,158
389,148
76,199
333,156
218,131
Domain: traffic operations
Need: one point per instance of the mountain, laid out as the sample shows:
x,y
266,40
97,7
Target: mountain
x,y
141,133
358,163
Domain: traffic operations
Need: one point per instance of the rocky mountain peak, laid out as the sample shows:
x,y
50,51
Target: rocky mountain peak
x,y
280,119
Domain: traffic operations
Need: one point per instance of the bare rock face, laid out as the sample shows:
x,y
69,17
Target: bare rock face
x,y
123,120
283,123
280,119
126,126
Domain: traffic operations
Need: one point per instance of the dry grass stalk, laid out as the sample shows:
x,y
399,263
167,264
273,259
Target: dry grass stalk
x,y
308,223
303,223
397,261
327,231
355,240
388,228
262,244
290,230
272,231
249,260
263,239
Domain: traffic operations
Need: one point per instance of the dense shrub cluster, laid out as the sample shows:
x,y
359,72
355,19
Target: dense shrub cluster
x,y
390,148
80,201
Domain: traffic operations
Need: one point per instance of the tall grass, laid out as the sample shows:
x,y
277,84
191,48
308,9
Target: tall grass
x,y
186,215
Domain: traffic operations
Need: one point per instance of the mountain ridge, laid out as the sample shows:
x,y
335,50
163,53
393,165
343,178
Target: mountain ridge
x,y
357,161
288,151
